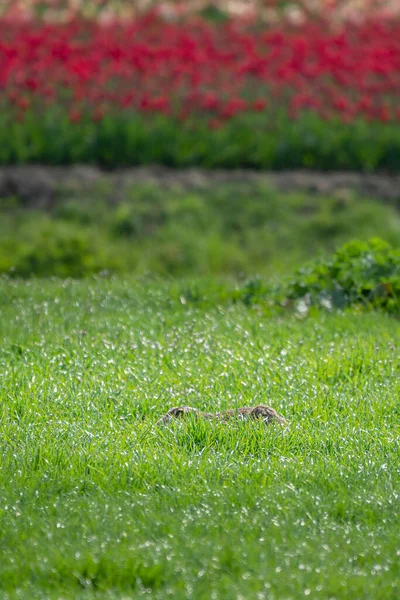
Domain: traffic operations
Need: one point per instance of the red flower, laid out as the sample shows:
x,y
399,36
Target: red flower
x,y
98,114
23,102
215,124
259,105
232,108
384,114
75,115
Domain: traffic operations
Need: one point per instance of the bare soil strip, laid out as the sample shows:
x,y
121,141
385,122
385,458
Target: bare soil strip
x,y
41,186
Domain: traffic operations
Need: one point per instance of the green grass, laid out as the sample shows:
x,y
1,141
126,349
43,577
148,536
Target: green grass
x,y
240,228
98,502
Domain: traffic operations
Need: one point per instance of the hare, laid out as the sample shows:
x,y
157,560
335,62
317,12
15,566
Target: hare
x,y
261,411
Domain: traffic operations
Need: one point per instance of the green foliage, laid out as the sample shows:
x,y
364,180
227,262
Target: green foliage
x,y
99,502
239,229
358,273
249,140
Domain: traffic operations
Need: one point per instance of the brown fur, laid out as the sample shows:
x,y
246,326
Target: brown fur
x,y
261,411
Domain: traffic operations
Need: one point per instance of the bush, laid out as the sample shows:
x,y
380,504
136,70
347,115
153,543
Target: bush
x,y
359,274
366,273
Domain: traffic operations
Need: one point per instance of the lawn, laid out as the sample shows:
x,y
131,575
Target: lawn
x,y
98,502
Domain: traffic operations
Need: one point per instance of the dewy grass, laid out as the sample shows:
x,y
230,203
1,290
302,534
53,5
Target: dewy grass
x,y
97,501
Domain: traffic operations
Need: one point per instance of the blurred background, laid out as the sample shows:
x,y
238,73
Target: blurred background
x,y
194,138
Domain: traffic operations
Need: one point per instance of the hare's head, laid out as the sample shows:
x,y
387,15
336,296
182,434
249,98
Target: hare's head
x,y
267,414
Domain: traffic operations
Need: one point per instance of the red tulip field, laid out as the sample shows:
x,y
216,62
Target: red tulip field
x,y
234,93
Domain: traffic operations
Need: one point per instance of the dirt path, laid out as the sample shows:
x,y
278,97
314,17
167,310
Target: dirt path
x,y
39,186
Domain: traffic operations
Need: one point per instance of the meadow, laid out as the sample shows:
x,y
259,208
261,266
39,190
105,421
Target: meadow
x,y
118,302
99,502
